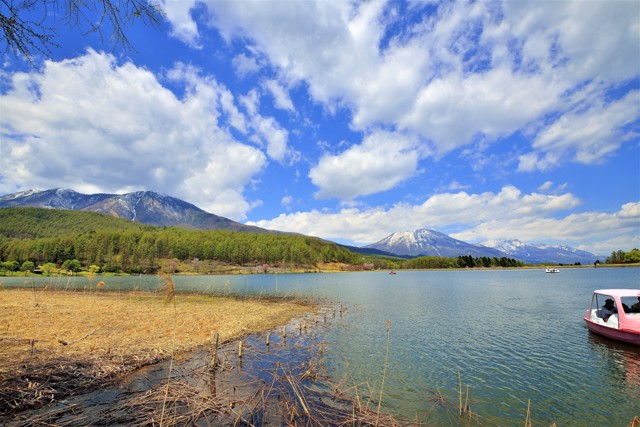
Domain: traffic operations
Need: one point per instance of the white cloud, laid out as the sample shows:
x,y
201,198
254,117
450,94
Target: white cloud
x,y
594,40
470,70
453,110
455,185
280,95
587,135
245,65
442,211
274,134
267,130
546,186
382,161
286,201
586,230
251,102
90,123
183,26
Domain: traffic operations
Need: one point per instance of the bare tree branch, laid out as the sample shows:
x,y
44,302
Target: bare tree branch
x,y
22,35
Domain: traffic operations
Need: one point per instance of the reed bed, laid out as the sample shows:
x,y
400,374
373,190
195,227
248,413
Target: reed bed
x,y
282,383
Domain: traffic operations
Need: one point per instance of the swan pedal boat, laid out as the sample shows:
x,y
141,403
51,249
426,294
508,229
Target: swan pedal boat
x,y
623,325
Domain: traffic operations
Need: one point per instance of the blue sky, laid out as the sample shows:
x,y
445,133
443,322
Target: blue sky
x,y
350,120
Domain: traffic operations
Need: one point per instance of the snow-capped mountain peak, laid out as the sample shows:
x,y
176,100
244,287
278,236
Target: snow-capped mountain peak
x,y
430,242
505,245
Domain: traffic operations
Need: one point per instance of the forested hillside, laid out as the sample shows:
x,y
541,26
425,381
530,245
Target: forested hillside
x,y
39,222
50,236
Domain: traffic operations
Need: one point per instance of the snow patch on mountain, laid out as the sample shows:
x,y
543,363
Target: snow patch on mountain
x,y
539,254
25,193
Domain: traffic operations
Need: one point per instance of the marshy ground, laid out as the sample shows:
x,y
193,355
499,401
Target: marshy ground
x,y
104,358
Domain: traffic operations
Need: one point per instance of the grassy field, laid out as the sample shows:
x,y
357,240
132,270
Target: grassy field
x,y
57,343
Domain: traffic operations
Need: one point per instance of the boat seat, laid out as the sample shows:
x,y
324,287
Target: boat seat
x,y
612,322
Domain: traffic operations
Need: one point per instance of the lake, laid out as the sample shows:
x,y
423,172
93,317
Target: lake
x,y
513,336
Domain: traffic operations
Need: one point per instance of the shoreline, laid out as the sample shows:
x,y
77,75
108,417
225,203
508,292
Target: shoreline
x,y
243,270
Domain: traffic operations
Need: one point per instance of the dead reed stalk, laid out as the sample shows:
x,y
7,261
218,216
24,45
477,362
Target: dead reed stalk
x,y
214,351
386,363
460,391
168,287
527,421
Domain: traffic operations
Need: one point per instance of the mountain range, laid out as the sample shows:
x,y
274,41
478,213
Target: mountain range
x,y
143,206
156,209
425,242
538,254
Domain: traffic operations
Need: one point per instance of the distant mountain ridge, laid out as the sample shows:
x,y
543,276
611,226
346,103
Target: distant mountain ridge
x,y
143,206
425,242
538,254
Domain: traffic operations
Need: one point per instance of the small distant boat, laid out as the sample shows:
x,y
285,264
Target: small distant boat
x,y
552,270
615,314
392,272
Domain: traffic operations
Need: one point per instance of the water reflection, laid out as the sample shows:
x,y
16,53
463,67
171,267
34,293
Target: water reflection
x,y
621,358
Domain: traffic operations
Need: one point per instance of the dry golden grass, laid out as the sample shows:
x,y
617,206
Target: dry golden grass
x,y
110,333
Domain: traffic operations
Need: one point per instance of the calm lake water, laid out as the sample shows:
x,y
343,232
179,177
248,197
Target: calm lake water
x,y
514,336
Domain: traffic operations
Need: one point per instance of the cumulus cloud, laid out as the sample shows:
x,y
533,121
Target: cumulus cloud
x,y
383,160
275,136
266,130
577,229
245,65
183,26
587,135
95,124
460,210
462,73
280,95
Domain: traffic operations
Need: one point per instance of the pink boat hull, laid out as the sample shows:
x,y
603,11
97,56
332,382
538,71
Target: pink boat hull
x,y
616,334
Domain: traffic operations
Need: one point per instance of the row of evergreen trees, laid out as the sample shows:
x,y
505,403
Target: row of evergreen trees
x,y
141,250
136,251
463,261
